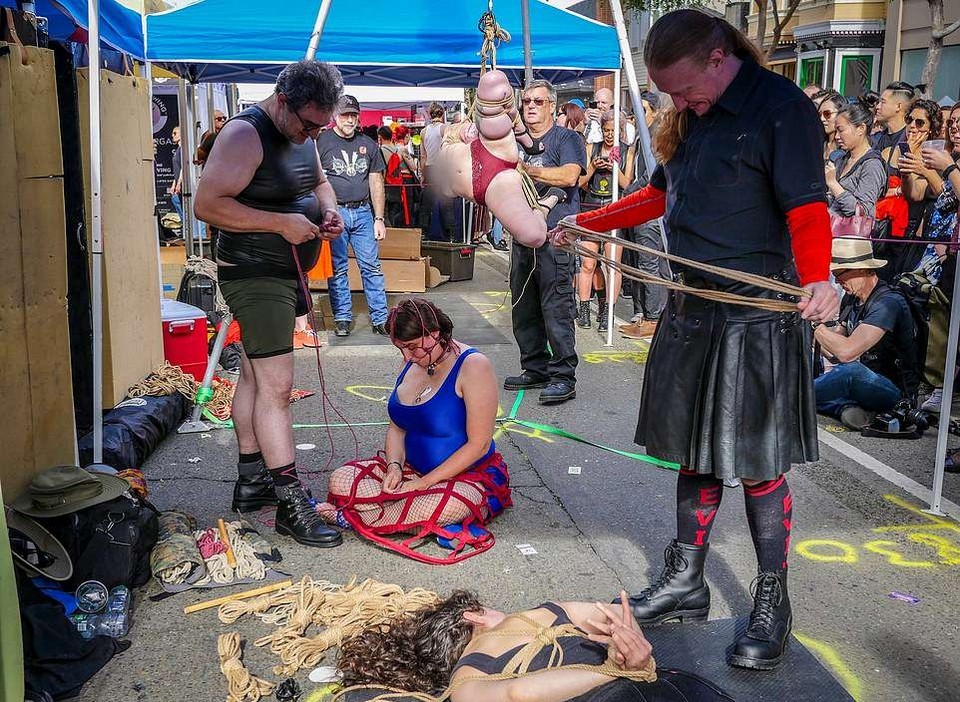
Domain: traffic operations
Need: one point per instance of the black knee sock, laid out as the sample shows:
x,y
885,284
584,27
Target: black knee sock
x,y
285,475
249,463
698,499
770,515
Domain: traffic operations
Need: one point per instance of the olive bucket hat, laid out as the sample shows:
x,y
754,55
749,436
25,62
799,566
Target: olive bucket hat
x,y
67,489
36,550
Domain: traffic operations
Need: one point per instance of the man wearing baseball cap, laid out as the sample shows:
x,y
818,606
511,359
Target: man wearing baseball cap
x,y
874,343
354,166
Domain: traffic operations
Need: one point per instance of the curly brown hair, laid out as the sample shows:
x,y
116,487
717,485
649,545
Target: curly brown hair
x,y
416,653
934,115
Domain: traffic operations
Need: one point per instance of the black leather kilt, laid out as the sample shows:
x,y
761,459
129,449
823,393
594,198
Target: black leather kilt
x,y
728,389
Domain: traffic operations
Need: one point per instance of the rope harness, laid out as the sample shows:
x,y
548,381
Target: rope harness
x,y
787,294
519,665
465,543
493,34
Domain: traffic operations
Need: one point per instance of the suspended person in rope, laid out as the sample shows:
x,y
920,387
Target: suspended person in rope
x,y
728,389
441,474
578,651
478,161
264,187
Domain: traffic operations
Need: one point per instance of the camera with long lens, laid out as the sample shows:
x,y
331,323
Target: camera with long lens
x,y
904,421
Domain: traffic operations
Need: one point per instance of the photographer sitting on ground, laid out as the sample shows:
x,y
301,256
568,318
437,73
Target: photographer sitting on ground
x,y
874,341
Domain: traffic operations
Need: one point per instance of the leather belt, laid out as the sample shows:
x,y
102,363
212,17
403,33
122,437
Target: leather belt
x,y
355,204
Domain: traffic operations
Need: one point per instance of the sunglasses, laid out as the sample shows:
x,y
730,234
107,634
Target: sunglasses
x,y
539,102
827,114
917,121
219,119
307,126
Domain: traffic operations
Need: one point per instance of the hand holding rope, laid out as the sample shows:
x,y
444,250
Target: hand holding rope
x,y
573,232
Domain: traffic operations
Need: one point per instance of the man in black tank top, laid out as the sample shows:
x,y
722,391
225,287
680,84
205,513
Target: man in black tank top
x,y
263,188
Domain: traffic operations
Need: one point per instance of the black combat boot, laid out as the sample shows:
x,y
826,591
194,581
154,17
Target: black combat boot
x,y
583,314
763,644
603,312
297,517
680,592
254,488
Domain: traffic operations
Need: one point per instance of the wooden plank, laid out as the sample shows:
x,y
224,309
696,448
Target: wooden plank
x,y
35,385
133,344
16,432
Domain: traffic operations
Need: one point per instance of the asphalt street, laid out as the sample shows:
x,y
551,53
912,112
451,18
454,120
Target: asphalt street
x,y
598,521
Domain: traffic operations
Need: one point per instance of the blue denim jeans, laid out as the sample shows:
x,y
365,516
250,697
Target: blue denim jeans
x,y
854,384
497,231
358,234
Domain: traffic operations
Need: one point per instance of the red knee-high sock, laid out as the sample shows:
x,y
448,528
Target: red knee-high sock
x,y
698,499
770,515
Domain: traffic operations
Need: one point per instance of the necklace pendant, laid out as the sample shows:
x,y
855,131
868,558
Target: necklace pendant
x,y
431,369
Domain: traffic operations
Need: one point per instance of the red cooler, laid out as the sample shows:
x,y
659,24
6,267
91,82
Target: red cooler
x,y
185,337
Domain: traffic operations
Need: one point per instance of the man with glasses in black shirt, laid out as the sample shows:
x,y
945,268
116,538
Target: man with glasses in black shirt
x,y
263,187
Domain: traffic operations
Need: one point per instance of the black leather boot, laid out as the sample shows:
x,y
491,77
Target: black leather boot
x,y
763,644
253,489
602,313
680,592
583,314
524,381
297,517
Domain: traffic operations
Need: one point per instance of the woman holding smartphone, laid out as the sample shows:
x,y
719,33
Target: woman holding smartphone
x,y
597,187
857,177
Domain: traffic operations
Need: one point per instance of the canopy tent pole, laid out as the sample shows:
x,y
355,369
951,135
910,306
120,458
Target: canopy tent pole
x,y
318,29
612,250
527,52
626,56
96,224
943,427
186,151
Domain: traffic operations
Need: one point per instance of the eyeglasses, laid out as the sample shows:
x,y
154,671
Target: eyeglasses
x,y
827,114
219,119
917,121
539,102
307,126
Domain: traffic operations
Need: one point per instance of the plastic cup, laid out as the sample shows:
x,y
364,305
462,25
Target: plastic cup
x,y
934,144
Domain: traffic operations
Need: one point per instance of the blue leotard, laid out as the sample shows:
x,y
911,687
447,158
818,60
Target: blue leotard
x,y
437,427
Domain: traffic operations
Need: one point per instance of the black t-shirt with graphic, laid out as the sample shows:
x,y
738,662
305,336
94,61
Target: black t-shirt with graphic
x,y
348,163
561,146
895,356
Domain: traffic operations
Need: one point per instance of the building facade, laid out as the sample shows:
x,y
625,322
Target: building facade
x,y
905,46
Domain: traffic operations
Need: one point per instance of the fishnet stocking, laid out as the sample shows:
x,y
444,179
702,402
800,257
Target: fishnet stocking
x,y
411,508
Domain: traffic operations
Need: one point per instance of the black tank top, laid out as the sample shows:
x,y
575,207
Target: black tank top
x,y
283,182
575,650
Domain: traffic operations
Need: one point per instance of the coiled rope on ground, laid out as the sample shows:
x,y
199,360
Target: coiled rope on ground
x,y
168,379
241,685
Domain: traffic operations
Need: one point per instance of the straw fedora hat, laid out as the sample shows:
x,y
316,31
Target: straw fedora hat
x,y
854,254
67,489
37,550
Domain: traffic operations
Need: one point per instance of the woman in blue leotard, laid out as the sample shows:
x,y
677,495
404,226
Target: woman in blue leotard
x,y
440,473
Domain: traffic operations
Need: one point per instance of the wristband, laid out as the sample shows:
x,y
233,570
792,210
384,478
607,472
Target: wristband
x,y
395,463
945,173
378,219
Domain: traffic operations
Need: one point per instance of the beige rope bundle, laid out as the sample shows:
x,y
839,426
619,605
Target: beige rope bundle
x,y
168,379
208,267
760,281
248,566
241,685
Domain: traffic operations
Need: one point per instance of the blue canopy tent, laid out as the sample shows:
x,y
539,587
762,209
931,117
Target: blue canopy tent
x,y
120,27
426,43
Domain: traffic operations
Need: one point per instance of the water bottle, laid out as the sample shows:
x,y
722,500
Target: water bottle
x,y
115,621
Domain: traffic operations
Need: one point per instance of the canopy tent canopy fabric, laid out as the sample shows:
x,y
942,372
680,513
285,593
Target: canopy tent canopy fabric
x,y
120,27
377,42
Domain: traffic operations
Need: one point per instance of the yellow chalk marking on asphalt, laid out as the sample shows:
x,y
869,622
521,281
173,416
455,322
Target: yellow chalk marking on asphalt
x,y
830,656
848,554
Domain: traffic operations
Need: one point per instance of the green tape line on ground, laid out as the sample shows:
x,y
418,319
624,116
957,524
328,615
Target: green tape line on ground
x,y
547,429
516,406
